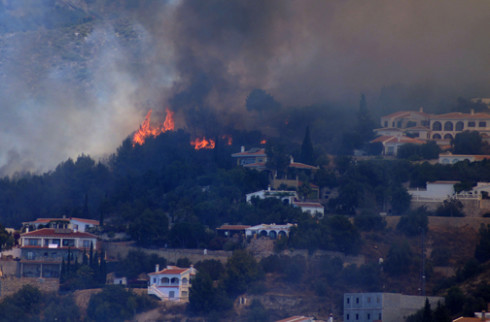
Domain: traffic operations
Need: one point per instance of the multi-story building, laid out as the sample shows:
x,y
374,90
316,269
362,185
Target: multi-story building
x,y
43,250
171,283
441,128
386,307
76,224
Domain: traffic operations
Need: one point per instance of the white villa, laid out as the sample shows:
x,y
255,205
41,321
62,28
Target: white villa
x,y
171,283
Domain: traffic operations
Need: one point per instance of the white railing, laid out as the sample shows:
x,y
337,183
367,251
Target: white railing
x,y
152,289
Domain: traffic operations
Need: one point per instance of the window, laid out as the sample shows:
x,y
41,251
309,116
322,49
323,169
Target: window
x,y
171,294
436,136
69,242
357,316
154,280
448,126
379,316
357,300
184,281
348,300
33,242
369,299
482,124
471,124
86,243
386,124
436,126
184,293
369,316
30,255
347,317
448,137
459,126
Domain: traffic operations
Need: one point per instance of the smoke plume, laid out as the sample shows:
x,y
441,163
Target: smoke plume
x,y
79,76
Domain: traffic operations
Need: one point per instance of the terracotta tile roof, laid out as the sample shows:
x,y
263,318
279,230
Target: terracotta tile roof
x,y
308,204
405,113
296,319
252,152
397,139
47,220
51,232
87,221
301,166
233,227
171,270
459,115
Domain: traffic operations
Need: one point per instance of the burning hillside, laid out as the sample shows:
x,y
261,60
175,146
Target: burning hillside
x,y
146,130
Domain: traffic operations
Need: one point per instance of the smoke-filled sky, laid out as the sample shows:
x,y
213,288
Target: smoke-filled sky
x,y
79,77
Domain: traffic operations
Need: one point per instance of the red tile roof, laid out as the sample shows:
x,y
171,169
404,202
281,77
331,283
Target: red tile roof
x,y
233,227
295,319
253,152
51,232
405,113
87,221
459,115
170,270
301,166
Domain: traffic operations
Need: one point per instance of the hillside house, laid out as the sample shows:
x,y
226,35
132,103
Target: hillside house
x,y
255,158
171,283
391,144
232,230
43,250
272,230
386,307
441,128
73,223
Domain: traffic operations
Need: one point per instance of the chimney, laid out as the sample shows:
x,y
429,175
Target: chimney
x,y
472,111
157,268
242,148
421,109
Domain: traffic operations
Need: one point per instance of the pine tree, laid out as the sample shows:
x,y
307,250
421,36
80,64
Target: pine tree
x,y
365,124
307,152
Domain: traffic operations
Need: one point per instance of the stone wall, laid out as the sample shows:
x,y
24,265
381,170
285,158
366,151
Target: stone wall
x,y
11,284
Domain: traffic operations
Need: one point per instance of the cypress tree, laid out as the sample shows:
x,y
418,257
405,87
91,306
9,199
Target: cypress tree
x,y
307,152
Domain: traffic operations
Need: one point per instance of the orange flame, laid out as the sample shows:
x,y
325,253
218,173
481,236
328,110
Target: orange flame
x,y
203,143
147,130
228,138
263,142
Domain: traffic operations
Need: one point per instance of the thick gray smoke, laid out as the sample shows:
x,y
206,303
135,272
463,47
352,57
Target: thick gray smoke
x,y
82,84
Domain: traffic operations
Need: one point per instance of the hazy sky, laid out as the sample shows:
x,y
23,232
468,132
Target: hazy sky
x,y
70,91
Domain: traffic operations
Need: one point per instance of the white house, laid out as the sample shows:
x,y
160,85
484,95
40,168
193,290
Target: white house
x,y
171,283
435,191
273,231
285,196
75,224
313,208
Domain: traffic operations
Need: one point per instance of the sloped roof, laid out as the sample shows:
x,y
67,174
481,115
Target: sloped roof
x,y
405,113
249,153
233,227
51,232
171,270
299,165
459,115
389,139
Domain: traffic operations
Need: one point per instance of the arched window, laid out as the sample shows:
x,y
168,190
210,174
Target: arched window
x,y
174,280
436,126
165,280
448,137
272,234
263,233
448,126
436,136
184,281
459,126
282,234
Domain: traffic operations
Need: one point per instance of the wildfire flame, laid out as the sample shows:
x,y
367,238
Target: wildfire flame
x,y
228,138
263,141
147,130
203,143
